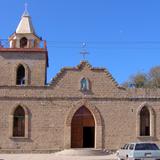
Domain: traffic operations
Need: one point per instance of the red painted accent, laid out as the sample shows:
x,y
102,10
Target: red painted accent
x,y
23,49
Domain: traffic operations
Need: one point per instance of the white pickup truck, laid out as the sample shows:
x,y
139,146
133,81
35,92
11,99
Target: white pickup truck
x,y
139,151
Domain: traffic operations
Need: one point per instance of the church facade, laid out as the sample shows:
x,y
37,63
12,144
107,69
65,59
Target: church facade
x,y
83,106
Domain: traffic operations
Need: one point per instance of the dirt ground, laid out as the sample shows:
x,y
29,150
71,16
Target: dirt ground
x,y
53,157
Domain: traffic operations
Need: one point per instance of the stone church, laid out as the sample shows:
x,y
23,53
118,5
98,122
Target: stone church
x,y
82,107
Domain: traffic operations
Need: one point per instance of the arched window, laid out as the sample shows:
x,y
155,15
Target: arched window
x,y
20,80
19,122
23,42
85,85
144,122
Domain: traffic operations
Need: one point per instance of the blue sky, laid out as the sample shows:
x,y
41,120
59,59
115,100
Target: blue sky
x,y
121,35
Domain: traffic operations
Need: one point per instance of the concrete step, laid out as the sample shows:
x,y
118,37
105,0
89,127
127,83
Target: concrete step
x,y
82,152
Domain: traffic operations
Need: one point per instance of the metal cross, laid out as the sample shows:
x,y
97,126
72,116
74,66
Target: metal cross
x,y
26,10
84,51
26,6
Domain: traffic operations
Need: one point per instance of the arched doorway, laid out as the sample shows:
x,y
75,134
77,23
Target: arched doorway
x,y
83,129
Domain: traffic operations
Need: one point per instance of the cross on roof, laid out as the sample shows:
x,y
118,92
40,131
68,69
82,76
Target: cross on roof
x,y
26,6
25,10
84,51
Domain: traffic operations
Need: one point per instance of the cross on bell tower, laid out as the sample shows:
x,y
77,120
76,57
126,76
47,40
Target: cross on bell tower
x,y
84,52
26,13
25,35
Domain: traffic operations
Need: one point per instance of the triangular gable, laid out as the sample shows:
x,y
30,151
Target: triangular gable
x,y
84,65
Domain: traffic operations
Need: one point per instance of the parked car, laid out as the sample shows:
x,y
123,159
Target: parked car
x,y
139,151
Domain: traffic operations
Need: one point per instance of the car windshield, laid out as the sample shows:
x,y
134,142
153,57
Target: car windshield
x,y
146,146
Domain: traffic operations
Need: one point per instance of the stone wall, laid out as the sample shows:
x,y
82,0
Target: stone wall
x,y
47,123
51,108
34,63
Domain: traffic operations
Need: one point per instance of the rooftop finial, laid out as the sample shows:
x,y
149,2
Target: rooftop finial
x,y
84,51
26,10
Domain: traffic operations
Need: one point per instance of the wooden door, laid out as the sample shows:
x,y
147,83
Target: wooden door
x,y
82,118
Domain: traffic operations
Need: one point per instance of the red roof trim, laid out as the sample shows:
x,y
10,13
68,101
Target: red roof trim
x,y
23,50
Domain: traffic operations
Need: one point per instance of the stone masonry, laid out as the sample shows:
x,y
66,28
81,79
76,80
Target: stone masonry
x,y
50,108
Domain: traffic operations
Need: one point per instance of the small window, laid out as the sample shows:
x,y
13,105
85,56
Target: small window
x,y
23,42
127,146
131,147
124,146
20,80
85,85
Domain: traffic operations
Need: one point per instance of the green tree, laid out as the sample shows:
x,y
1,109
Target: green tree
x,y
154,77
145,80
139,80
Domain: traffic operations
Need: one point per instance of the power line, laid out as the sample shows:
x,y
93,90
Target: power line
x,y
120,45
103,42
107,45
99,42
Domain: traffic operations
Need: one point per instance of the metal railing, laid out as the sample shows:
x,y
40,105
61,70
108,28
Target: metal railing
x,y
5,43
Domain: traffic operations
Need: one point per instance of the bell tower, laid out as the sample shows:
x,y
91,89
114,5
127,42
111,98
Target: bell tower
x,y
24,61
24,36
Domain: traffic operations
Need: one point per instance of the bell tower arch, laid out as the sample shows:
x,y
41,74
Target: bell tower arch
x,y
25,36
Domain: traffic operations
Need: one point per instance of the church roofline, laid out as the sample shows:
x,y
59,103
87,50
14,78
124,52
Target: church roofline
x,y
80,67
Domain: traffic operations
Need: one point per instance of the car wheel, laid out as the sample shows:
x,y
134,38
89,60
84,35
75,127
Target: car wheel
x,y
127,157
